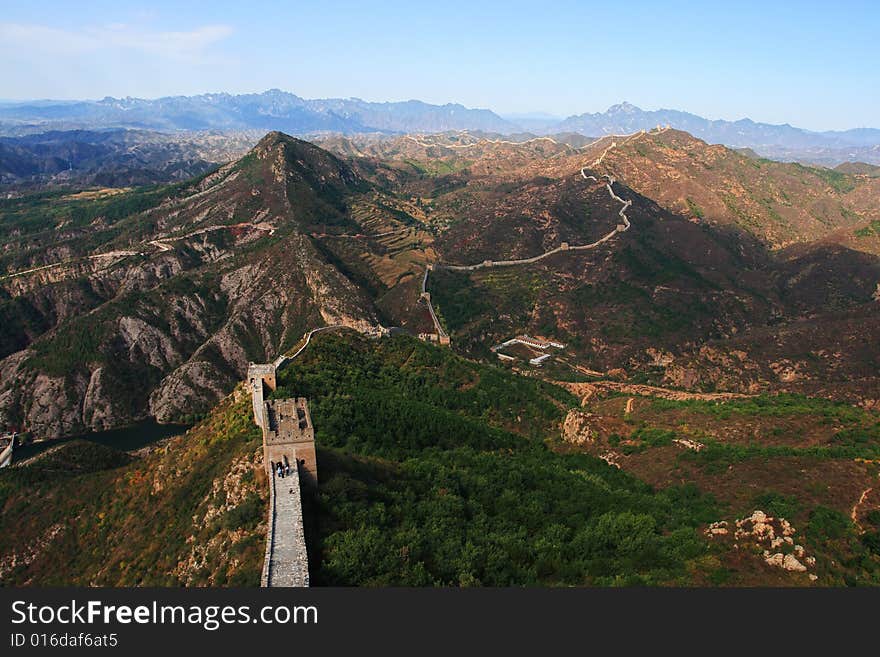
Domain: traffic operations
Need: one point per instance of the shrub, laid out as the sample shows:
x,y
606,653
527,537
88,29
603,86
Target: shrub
x,y
776,504
246,515
827,524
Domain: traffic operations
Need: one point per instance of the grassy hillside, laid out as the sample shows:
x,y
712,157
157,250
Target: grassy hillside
x,y
780,203
151,302
647,288
433,470
190,513
811,461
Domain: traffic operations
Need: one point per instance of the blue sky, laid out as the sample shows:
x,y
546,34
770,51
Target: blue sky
x,y
812,64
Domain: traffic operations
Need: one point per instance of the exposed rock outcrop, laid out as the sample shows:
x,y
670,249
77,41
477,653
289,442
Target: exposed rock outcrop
x,y
97,412
773,537
55,407
577,428
167,320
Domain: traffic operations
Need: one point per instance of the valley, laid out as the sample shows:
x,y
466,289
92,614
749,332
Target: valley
x,y
720,361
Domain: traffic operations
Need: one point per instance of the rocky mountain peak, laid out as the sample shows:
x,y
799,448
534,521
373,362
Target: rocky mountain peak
x,y
273,139
623,108
303,160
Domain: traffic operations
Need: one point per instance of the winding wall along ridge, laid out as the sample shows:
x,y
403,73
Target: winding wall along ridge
x,y
425,144
620,228
623,227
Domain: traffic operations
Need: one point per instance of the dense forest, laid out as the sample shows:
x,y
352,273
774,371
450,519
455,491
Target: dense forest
x,y
437,471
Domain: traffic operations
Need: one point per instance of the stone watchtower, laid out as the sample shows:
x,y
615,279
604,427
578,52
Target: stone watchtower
x,y
288,434
260,378
289,437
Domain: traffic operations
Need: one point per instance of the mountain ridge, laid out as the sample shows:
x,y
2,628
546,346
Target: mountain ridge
x,y
122,305
275,109
723,131
271,110
173,294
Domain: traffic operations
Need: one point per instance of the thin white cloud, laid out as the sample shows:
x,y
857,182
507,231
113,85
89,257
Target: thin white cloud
x,y
166,43
44,39
40,38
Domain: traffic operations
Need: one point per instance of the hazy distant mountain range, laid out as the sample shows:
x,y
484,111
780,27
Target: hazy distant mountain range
x,y
116,157
625,118
280,110
270,110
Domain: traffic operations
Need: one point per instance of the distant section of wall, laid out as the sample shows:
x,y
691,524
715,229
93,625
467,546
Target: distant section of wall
x,y
439,336
260,377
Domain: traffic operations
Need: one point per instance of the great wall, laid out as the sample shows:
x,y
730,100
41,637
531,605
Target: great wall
x,y
419,139
440,335
286,424
288,441
291,465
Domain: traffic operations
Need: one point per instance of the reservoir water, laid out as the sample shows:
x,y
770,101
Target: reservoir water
x,y
126,439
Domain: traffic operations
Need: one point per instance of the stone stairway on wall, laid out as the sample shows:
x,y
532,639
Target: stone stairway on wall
x,y
286,562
